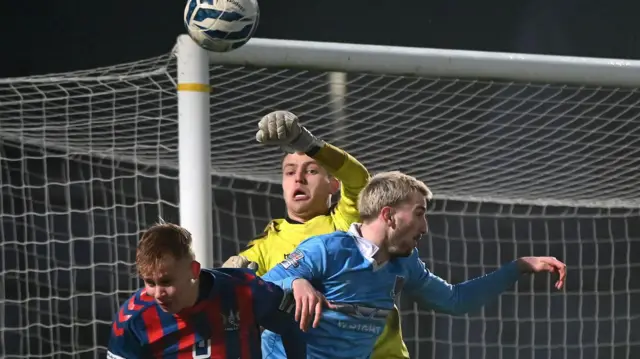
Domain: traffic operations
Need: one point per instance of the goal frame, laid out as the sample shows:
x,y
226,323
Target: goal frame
x,y
193,87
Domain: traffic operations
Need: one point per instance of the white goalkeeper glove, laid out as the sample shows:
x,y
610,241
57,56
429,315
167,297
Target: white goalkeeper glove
x,y
283,128
240,262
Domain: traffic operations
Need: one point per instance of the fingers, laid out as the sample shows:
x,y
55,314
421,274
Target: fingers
x,y
306,312
281,116
280,129
260,136
561,268
305,306
272,128
552,264
322,303
299,306
328,304
277,127
263,130
317,313
309,304
312,302
309,310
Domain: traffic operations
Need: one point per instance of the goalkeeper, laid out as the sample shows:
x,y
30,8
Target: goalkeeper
x,y
360,272
312,170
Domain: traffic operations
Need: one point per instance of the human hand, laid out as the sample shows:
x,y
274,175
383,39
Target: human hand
x,y
309,303
544,264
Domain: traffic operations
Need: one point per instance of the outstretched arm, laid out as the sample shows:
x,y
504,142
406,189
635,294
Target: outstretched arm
x,y
464,297
472,294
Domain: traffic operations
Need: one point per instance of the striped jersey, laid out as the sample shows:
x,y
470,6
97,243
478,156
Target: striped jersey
x,y
223,324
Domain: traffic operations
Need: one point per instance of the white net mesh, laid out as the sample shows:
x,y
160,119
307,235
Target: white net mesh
x,y
470,139
72,206
89,160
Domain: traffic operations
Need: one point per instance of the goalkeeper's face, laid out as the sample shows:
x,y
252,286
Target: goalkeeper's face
x,y
407,224
307,187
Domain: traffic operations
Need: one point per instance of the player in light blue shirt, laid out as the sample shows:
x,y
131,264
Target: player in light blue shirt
x,y
361,272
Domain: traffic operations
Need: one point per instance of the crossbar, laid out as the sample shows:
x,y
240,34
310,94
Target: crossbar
x,y
412,61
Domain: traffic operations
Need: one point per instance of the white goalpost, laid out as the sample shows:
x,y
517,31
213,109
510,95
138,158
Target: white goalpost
x,y
526,154
194,131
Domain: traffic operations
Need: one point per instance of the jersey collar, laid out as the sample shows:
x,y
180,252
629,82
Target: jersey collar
x,y
367,248
293,221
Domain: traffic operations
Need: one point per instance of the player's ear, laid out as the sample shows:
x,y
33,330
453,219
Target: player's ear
x,y
334,184
195,269
386,215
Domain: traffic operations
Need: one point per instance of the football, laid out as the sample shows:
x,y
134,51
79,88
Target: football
x,y
221,25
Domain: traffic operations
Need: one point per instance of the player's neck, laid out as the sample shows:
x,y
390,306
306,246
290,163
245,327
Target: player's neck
x,y
370,232
294,218
300,217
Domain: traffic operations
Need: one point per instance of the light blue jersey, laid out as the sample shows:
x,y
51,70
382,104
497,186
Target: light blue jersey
x,y
340,265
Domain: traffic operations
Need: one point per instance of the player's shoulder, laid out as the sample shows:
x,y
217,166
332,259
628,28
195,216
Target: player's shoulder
x,y
330,242
415,255
330,239
412,261
130,312
226,280
230,276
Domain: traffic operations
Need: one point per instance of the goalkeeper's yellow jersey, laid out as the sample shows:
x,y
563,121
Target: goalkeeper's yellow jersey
x,y
282,236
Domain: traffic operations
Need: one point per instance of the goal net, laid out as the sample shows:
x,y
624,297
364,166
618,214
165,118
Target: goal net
x,y
89,160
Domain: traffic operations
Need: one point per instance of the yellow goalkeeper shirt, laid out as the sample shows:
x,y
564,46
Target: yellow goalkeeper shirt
x,y
282,236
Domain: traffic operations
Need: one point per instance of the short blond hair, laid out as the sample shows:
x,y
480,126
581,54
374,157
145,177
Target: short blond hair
x,y
388,189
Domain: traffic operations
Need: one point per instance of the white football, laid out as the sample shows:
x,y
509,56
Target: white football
x,y
221,25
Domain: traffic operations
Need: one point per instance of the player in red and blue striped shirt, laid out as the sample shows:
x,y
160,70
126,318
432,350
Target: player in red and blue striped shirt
x,y
188,312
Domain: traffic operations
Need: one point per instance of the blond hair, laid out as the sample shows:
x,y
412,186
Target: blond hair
x,y
388,189
159,241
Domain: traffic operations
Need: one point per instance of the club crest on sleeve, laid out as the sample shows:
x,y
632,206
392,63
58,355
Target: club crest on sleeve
x,y
292,260
398,284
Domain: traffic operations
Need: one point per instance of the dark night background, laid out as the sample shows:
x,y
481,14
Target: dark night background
x,y
71,210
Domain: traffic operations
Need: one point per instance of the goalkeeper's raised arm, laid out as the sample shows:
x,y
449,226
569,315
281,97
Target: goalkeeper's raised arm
x,y
312,171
